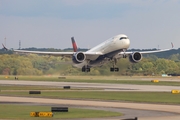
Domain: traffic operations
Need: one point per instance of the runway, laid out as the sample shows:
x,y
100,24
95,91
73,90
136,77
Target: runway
x,y
108,104
142,106
104,86
164,112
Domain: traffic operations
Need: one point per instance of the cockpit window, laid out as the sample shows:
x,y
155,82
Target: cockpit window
x,y
123,38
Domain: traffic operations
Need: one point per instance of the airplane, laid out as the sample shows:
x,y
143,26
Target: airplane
x,y
110,50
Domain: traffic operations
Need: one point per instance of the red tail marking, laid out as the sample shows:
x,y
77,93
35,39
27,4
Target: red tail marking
x,y
74,44
172,45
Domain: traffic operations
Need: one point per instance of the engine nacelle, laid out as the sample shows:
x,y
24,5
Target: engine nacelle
x,y
135,57
79,57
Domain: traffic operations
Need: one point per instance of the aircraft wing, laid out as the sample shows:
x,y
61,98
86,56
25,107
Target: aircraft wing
x,y
144,52
147,52
64,54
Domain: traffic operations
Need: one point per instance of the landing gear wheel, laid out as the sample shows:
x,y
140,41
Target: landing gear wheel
x,y
86,69
83,69
114,69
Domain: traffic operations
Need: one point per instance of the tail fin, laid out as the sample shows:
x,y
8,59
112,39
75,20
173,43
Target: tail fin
x,y
74,44
172,45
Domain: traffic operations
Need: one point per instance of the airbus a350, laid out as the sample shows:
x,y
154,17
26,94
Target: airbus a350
x,y
110,50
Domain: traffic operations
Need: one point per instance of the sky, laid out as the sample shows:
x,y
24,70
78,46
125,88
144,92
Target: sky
x,y
51,23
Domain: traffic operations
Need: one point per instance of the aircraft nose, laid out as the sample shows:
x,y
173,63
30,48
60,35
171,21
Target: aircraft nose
x,y
127,43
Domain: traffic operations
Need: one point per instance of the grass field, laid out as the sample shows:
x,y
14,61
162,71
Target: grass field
x,y
48,88
147,97
23,112
97,79
55,92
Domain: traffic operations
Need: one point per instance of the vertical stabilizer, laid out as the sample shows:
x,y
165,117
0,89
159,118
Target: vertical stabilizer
x,y
74,44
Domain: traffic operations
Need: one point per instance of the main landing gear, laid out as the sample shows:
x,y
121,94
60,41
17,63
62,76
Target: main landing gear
x,y
86,69
114,68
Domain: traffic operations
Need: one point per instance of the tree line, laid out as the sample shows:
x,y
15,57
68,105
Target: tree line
x,y
32,64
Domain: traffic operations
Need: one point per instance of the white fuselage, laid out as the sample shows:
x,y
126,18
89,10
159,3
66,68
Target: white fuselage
x,y
111,45
109,48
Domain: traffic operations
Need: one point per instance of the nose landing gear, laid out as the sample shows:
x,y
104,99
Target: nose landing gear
x,y
114,68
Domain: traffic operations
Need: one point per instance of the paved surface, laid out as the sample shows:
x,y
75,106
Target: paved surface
x,y
150,107
127,113
108,87
142,106
144,111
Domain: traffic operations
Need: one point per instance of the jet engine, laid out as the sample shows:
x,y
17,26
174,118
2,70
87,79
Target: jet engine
x,y
135,57
78,57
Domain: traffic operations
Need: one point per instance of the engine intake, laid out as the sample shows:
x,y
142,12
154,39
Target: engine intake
x,y
135,57
79,57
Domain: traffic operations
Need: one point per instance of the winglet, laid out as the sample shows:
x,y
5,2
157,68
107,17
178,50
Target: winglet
x,y
172,45
74,44
4,47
